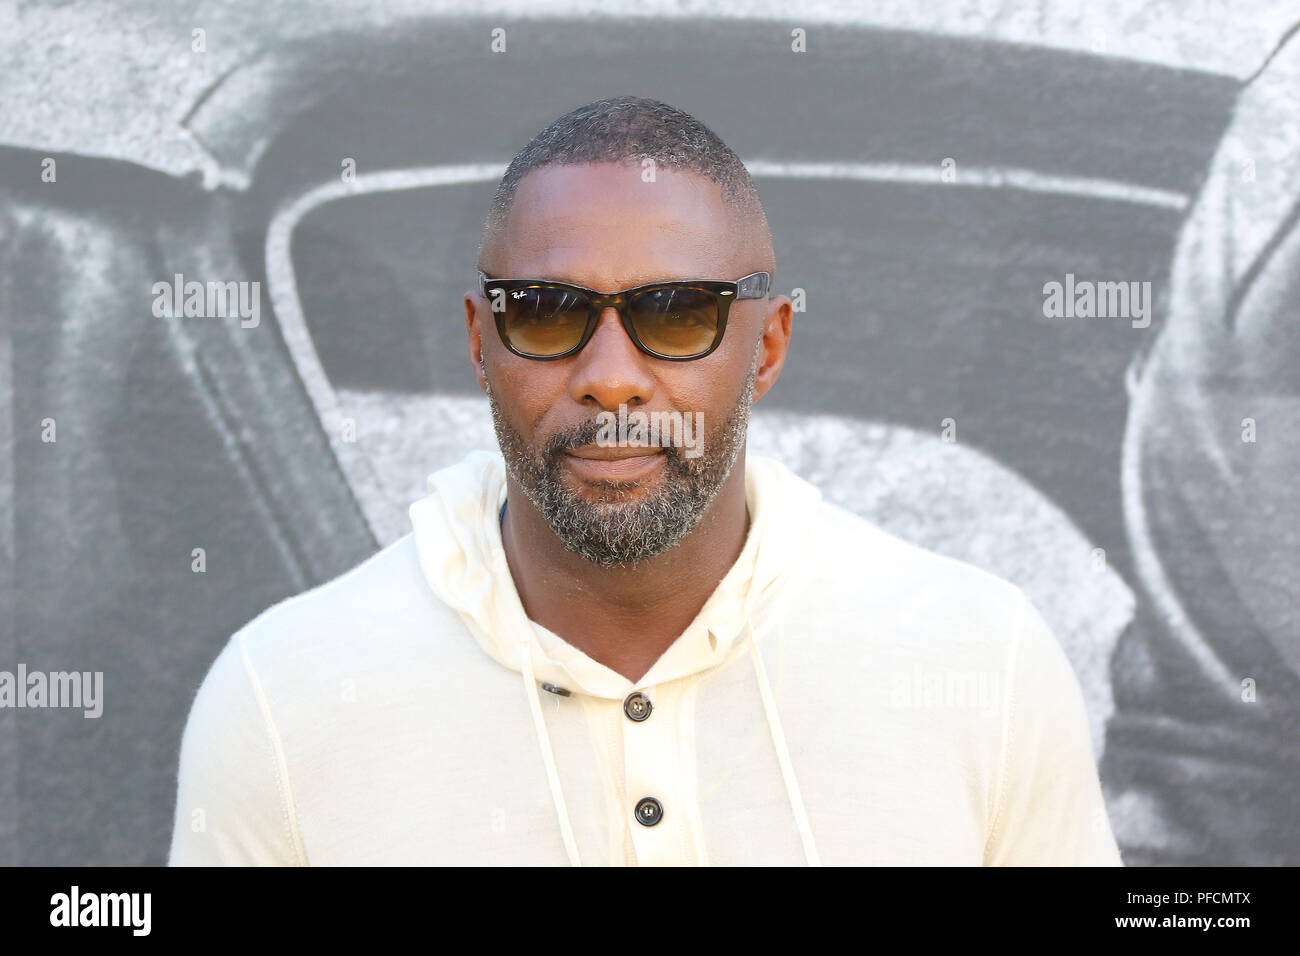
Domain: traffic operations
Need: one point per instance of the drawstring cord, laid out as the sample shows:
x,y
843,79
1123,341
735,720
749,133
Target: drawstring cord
x,y
544,741
783,754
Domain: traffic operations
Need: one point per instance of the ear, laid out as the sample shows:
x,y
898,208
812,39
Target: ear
x,y
475,330
775,341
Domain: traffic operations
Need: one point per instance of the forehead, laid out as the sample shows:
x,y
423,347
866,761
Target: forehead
x,y
608,226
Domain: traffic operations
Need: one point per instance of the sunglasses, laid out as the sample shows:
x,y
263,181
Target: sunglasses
x,y
677,321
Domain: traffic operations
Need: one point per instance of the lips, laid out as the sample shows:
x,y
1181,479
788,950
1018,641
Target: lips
x,y
593,463
597,453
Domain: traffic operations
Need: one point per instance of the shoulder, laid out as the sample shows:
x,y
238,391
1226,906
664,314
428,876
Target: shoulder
x,y
276,692
875,575
916,607
380,614
387,589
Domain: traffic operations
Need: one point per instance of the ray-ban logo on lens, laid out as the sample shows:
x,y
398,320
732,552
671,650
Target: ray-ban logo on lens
x,y
684,430
1086,299
211,300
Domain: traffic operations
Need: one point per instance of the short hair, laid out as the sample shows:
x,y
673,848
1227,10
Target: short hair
x,y
620,129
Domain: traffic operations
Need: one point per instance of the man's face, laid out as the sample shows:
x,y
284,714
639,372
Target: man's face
x,y
601,226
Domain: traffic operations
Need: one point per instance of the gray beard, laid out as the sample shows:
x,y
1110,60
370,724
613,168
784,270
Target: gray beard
x,y
622,528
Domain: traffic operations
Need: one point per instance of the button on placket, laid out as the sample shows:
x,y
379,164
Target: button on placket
x,y
637,706
649,811
653,771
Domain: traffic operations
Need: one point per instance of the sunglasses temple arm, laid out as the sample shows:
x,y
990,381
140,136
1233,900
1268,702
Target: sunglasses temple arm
x,y
753,286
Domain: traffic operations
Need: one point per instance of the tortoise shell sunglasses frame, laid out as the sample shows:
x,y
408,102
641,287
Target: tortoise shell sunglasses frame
x,y
724,292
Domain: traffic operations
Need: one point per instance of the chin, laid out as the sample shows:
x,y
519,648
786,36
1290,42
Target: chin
x,y
613,493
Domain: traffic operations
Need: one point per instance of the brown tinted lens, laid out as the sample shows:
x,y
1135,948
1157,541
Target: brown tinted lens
x,y
675,321
544,321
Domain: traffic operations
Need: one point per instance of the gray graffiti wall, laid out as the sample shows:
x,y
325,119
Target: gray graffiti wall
x,y
1048,266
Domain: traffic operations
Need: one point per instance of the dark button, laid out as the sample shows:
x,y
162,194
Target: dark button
x,y
649,811
637,706
560,691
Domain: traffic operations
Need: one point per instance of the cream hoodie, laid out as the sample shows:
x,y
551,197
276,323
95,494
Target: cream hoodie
x,y
842,698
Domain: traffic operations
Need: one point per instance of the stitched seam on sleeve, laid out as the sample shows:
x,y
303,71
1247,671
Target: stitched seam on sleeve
x,y
1008,712
281,766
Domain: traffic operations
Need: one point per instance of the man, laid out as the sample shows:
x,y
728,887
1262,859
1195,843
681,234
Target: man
x,y
631,645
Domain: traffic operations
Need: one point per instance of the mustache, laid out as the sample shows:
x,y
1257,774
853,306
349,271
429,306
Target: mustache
x,y
586,433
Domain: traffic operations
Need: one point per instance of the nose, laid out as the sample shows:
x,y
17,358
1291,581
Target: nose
x,y
610,370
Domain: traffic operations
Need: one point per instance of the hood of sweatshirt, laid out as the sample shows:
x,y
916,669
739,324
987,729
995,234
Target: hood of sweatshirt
x,y
458,539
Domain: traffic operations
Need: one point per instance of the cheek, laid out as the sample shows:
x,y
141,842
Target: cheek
x,y
713,393
528,392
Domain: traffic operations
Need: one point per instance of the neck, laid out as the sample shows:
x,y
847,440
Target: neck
x,y
624,618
